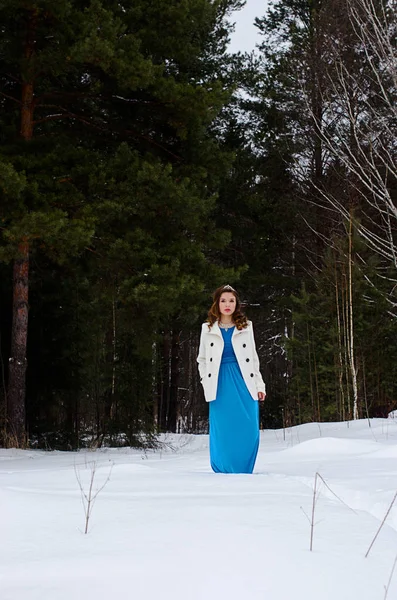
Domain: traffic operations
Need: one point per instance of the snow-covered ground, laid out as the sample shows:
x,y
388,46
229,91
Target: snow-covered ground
x,y
166,527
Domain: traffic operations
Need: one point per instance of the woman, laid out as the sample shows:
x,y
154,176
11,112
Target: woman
x,y
229,372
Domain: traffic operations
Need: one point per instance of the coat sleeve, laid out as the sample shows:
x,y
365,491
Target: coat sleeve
x,y
260,384
201,355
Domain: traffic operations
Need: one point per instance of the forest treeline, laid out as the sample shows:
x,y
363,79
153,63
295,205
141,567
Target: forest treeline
x,y
142,165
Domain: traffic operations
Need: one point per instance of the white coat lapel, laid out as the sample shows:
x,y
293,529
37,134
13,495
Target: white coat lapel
x,y
215,329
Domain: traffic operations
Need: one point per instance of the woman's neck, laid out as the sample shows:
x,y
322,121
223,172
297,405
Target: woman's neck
x,y
226,320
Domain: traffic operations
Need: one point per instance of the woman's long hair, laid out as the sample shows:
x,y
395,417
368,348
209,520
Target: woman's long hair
x,y
214,314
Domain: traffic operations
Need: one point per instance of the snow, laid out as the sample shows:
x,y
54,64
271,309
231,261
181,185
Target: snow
x,y
165,527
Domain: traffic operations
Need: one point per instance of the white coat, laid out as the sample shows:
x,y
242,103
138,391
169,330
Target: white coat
x,y
210,355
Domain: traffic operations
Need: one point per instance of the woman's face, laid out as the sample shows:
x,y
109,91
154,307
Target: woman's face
x,y
227,303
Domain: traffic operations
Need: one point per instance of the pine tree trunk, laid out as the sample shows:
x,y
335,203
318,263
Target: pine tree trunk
x,y
16,393
317,387
164,395
110,352
174,383
314,416
17,362
155,386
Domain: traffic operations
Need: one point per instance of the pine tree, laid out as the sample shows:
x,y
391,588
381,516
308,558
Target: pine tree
x,y
95,87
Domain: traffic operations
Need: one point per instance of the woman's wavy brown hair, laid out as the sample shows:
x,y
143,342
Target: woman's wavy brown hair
x,y
214,314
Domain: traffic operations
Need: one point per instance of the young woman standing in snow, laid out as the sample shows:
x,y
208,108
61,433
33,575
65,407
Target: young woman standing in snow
x,y
229,372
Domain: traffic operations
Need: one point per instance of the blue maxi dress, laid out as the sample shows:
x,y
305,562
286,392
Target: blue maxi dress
x,y
234,417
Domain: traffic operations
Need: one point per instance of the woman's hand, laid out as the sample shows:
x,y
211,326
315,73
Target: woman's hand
x,y
261,396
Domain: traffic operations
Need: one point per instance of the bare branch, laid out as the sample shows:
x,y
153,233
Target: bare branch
x,y
11,98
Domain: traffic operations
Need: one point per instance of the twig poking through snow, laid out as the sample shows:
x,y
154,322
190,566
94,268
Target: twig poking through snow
x,y
381,525
336,495
88,498
315,493
390,578
315,496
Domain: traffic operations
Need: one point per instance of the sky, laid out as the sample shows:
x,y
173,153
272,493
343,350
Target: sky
x,y
246,34
165,527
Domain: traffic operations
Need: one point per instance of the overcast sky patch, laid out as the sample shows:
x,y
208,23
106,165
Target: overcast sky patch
x,y
245,36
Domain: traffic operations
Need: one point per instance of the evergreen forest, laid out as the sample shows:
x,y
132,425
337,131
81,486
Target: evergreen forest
x,y
143,164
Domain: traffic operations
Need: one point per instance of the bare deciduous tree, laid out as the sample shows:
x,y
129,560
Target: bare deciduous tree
x,y
358,127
